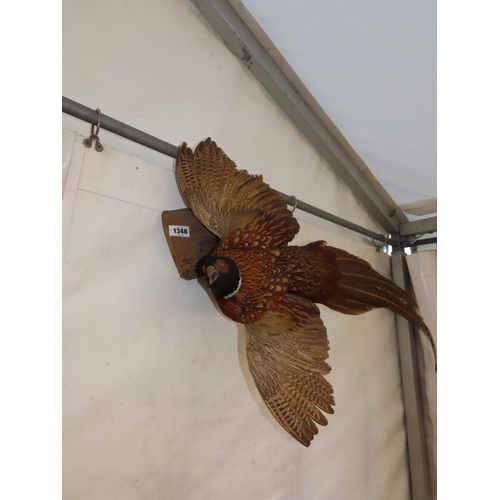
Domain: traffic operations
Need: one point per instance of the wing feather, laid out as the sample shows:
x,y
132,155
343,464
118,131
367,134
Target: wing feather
x,y
225,199
286,353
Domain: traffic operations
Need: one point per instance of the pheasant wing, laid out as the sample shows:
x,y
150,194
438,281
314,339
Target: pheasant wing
x,y
286,353
225,199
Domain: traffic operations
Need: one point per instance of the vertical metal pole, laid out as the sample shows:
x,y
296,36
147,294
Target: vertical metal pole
x,y
412,395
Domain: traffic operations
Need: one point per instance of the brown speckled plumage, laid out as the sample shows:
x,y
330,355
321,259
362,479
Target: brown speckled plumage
x,y
287,346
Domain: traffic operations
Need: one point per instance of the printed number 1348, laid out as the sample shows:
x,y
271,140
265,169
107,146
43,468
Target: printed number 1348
x,y
179,231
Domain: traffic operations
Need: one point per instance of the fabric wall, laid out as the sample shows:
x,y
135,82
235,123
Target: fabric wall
x,y
158,401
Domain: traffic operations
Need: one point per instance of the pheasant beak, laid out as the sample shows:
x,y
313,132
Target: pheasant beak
x,y
212,274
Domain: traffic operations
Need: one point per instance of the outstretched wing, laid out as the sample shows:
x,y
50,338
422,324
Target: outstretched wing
x,y
225,199
286,352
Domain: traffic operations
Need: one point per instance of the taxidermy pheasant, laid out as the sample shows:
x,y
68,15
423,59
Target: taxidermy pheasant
x,y
270,287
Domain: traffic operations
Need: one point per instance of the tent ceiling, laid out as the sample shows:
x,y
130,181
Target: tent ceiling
x,y
371,65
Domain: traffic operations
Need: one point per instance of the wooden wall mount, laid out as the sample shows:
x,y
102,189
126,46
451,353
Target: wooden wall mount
x,y
187,252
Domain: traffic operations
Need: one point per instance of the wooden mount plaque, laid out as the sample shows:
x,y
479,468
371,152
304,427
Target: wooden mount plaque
x,y
189,241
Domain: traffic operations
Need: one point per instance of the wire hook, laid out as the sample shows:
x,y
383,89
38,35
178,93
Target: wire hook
x,y
294,203
94,134
98,145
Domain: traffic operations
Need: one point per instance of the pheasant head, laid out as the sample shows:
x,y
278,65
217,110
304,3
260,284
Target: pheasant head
x,y
223,276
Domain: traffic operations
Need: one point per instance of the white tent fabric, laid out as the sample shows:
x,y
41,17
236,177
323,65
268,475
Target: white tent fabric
x,y
158,400
371,65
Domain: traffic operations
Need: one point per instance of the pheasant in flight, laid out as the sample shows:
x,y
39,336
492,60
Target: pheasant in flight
x,y
260,281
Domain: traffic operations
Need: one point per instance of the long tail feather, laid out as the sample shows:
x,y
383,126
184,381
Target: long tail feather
x,y
385,296
348,284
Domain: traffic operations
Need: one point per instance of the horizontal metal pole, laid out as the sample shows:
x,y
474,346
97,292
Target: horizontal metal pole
x,y
421,226
416,243
89,115
302,205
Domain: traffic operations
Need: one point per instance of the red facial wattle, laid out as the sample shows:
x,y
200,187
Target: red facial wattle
x,y
221,266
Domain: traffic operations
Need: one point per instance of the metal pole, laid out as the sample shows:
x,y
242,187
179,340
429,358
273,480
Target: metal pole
x,y
425,241
412,396
301,205
89,115
421,226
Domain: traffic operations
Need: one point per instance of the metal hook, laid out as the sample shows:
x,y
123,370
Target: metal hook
x,y
94,134
98,145
98,121
294,203
377,244
88,142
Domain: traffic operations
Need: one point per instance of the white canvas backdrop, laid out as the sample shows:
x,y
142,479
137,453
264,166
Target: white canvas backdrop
x,y
372,66
165,71
157,398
